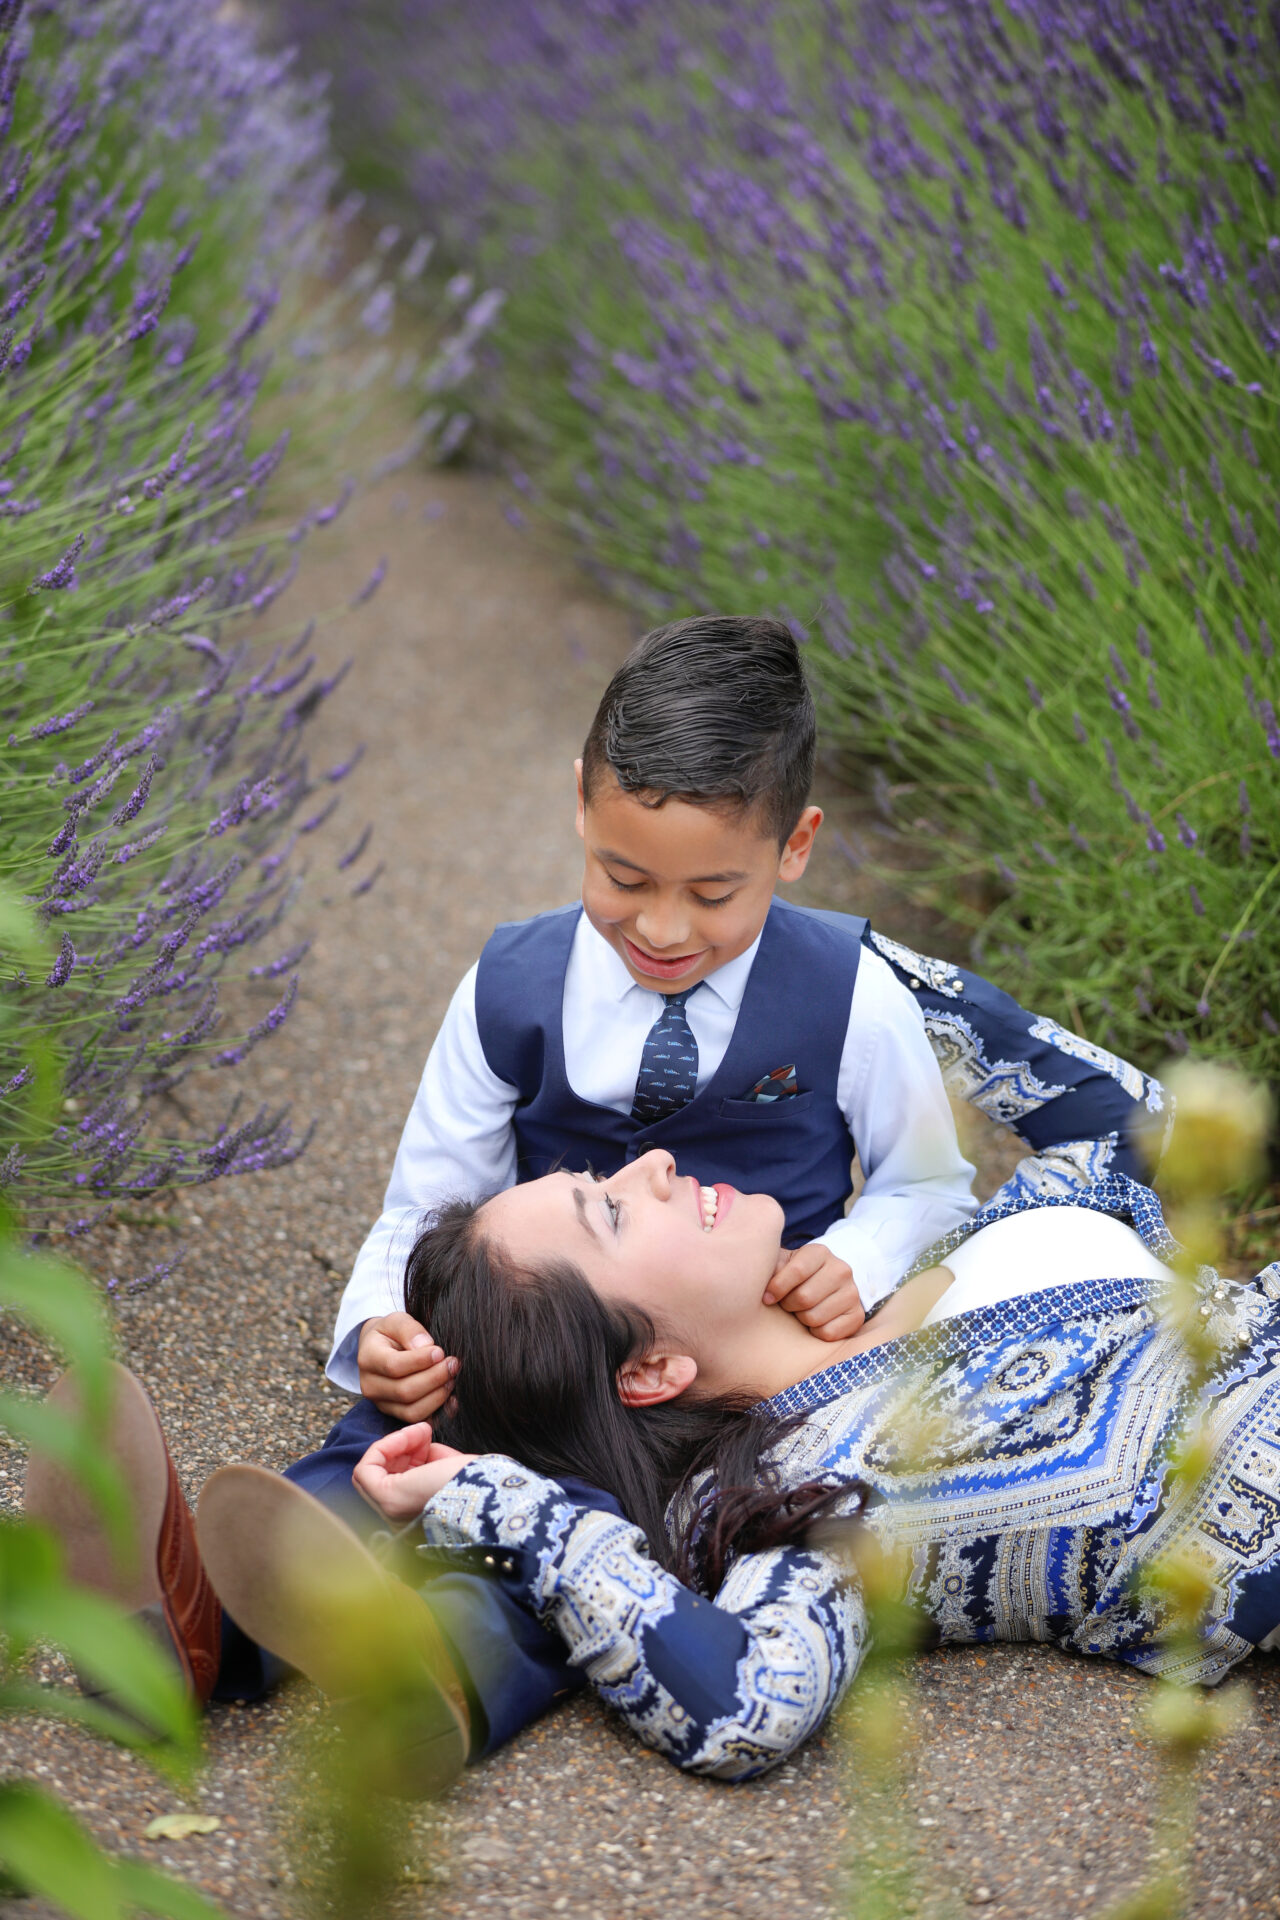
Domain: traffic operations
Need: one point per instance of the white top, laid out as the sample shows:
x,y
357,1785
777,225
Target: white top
x,y
1044,1247
458,1141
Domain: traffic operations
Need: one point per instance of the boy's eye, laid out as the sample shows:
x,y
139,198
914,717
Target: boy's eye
x,y
723,901
624,886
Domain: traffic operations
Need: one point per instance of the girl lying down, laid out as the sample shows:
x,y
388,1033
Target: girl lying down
x,y
664,1472
1008,1419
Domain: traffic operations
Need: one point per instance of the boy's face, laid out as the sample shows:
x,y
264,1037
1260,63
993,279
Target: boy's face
x,y
678,890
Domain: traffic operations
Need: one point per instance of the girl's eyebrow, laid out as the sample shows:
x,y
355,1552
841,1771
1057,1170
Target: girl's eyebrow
x,y
580,1206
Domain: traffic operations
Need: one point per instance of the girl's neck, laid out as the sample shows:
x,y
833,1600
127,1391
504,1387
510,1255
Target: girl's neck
x,y
772,1352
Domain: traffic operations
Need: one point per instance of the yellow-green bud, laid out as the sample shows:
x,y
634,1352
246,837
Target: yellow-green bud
x,y
1219,1134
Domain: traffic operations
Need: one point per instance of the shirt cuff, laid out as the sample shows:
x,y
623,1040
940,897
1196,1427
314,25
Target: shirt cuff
x,y
873,1273
343,1366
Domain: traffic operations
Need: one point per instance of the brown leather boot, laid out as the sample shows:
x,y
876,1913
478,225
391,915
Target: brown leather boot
x,y
299,1582
164,1582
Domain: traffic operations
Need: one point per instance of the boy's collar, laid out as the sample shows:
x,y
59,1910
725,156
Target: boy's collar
x,y
728,982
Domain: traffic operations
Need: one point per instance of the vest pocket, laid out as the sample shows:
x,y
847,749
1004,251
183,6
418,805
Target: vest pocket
x,y
765,1112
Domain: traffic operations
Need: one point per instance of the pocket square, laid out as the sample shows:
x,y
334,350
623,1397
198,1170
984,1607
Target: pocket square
x,y
775,1086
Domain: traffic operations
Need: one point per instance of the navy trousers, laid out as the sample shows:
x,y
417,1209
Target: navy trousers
x,y
511,1667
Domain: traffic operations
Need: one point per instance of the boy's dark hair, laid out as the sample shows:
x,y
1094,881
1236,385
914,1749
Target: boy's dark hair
x,y
714,710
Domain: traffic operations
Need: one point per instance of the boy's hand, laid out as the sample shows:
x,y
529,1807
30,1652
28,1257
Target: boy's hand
x,y
400,1474
819,1288
402,1370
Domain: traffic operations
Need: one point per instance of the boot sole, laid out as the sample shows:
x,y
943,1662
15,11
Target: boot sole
x,y
297,1580
53,1497
135,1439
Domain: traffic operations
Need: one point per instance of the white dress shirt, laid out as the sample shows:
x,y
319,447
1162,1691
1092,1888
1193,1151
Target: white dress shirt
x,y
458,1141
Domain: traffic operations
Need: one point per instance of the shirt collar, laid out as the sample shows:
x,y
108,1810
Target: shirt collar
x,y
728,982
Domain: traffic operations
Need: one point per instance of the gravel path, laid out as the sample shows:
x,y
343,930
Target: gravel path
x,y
476,671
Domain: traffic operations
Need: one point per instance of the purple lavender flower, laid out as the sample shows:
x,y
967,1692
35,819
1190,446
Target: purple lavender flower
x,y
60,972
344,767
149,444
161,1271
270,1023
353,853
948,678
371,585
60,723
62,575
138,798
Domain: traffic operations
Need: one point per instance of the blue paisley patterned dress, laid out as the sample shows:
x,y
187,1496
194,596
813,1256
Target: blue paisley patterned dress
x,y
1041,1497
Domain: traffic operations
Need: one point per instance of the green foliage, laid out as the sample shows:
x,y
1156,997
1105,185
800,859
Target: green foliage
x,y
43,1850
48,1853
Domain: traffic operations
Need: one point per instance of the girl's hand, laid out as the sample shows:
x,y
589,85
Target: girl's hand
x,y
400,1474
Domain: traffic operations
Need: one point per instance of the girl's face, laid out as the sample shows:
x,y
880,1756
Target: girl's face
x,y
648,1237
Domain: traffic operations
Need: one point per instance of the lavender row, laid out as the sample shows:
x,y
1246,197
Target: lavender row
x,y
951,332
168,264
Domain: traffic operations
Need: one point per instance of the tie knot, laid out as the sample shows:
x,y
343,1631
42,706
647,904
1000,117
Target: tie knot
x,y
678,999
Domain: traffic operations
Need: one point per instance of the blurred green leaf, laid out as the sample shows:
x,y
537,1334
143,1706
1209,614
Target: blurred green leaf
x,y
64,1306
113,1651
46,1852
20,932
154,1892
78,1710
79,1450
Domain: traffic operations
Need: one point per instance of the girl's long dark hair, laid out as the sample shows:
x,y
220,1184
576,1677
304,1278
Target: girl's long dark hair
x,y
541,1353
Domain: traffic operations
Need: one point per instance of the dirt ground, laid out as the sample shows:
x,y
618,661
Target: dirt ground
x,y
476,669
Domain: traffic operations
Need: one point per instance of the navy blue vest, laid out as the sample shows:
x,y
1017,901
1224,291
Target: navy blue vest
x,y
795,1011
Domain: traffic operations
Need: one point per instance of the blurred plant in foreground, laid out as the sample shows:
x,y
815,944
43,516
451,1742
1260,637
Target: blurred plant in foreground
x,y
1221,1126
880,1726
360,1822
43,1850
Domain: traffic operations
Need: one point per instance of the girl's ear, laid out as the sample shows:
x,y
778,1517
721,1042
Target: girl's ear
x,y
658,1377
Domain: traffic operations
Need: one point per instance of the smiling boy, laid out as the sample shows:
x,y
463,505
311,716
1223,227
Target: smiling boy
x,y
681,1005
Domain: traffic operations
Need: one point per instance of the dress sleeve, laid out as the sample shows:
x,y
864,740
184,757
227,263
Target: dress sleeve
x,y
726,1687
1076,1105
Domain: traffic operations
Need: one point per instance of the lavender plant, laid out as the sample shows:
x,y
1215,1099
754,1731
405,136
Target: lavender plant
x,y
950,332
163,203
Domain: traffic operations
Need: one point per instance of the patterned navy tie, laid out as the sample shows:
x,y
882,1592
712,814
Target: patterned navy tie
x,y
668,1077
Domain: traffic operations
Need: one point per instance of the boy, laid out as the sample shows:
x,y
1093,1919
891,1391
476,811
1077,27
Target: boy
x,y
681,1006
